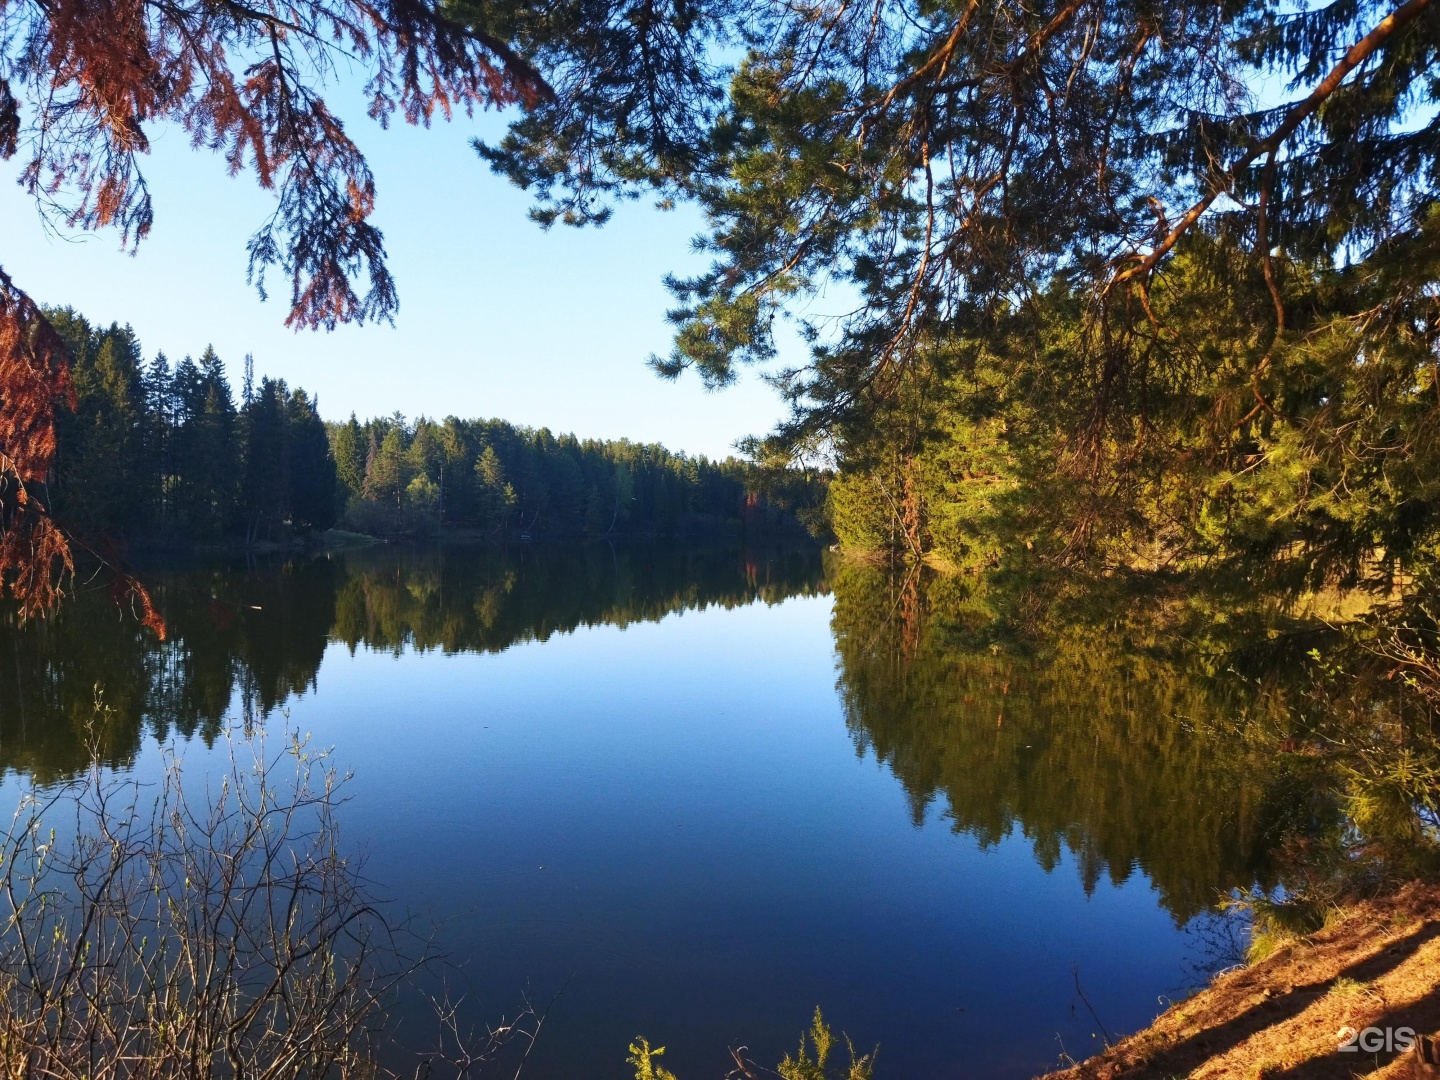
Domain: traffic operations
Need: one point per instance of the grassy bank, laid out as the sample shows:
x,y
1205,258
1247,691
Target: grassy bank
x,y
1375,964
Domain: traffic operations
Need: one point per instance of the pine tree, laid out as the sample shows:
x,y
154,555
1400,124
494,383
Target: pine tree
x,y
102,484
457,477
348,446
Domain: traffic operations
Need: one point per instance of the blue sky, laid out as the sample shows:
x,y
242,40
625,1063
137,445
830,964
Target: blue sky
x,y
497,317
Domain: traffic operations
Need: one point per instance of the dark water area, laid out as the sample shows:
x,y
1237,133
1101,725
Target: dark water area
x,y
698,792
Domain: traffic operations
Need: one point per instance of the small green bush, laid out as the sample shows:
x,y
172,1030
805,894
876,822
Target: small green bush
x,y
811,1061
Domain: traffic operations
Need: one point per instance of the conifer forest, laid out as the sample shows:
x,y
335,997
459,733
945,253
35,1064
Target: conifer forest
x,y
1010,649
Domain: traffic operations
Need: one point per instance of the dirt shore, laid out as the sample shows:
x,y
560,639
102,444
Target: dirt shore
x,y
1375,965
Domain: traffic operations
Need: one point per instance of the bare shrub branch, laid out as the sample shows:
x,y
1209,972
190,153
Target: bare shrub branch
x,y
209,926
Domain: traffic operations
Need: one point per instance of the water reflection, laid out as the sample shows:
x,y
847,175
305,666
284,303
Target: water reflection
x,y
464,600
617,813
1132,757
254,636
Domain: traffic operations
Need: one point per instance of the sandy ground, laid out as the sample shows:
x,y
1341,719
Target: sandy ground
x,y
1375,965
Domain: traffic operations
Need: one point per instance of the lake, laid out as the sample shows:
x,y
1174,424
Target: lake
x,y
699,792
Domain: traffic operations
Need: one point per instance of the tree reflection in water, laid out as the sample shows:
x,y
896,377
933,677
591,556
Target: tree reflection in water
x,y
245,640
1185,734
1113,730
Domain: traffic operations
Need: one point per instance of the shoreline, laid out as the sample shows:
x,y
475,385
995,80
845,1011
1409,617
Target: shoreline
x,y
1374,966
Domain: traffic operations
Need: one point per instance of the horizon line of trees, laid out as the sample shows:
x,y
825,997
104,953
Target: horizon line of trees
x,y
162,452
403,478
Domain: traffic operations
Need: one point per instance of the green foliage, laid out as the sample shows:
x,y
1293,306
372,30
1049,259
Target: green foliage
x,y
511,482
635,84
312,471
349,450
819,1041
861,514
942,163
992,453
162,452
100,442
421,503
496,498
643,1058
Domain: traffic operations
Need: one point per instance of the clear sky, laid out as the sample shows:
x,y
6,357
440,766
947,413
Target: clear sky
x,y
497,317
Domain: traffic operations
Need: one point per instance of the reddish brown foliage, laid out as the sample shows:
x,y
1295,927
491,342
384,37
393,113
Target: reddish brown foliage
x,y
80,81
240,79
128,592
34,381
35,555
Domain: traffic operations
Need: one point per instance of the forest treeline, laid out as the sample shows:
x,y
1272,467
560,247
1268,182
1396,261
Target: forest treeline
x,y
402,478
162,452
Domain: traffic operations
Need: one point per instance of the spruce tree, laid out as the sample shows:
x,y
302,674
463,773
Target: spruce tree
x,y
267,459
497,496
311,498
387,473
349,451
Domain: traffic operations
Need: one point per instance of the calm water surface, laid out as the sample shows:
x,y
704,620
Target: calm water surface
x,y
703,791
